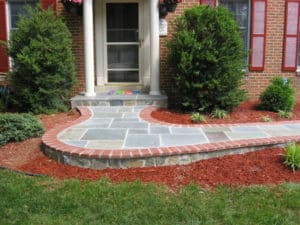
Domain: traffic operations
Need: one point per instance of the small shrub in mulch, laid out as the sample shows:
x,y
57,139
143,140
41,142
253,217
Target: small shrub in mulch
x,y
292,156
197,117
279,96
18,127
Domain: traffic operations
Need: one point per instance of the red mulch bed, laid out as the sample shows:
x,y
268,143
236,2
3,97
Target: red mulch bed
x,y
245,113
261,167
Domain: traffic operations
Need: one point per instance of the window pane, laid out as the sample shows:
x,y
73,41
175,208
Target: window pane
x,y
122,22
16,9
241,13
123,56
123,76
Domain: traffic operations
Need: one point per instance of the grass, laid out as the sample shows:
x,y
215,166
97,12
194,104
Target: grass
x,y
40,200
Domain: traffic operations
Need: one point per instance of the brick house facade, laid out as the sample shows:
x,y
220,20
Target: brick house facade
x,y
272,36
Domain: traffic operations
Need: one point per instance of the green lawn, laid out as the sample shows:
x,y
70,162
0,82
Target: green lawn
x,y
36,200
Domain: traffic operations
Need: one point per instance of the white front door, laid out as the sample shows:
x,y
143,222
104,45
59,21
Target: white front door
x,y
122,42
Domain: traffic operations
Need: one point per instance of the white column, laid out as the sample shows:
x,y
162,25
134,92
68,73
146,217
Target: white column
x,y
88,25
154,43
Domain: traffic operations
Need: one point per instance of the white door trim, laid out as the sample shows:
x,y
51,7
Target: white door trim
x,y
100,39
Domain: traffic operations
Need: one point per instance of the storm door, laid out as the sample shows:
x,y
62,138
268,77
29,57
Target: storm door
x,y
122,43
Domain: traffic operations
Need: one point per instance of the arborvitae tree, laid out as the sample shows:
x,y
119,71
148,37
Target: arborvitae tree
x,y
43,70
206,57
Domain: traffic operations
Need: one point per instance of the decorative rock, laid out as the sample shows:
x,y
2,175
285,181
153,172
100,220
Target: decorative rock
x,y
133,163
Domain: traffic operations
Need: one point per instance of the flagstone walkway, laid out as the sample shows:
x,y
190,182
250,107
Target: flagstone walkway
x,y
127,136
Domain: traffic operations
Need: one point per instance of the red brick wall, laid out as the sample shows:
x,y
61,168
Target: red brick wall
x,y
255,82
165,75
75,25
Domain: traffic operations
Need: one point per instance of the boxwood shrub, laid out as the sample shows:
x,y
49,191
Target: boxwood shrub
x,y
206,57
18,127
278,96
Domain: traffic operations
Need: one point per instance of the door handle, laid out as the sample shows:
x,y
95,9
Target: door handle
x,y
141,42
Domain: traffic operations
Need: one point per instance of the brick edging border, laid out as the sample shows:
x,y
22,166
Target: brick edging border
x,y
62,152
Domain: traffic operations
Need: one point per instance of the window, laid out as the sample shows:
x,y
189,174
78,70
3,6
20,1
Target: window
x,y
241,12
17,8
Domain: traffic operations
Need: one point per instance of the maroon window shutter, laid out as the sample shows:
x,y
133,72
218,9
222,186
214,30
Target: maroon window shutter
x,y
291,35
209,2
47,3
4,64
258,35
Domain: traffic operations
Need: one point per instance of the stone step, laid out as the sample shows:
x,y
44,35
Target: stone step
x,y
104,99
107,88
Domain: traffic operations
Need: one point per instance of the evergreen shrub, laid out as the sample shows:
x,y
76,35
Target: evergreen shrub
x,y
43,70
206,57
278,96
2,107
18,127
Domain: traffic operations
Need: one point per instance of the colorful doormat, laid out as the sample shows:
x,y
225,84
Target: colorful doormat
x,y
124,92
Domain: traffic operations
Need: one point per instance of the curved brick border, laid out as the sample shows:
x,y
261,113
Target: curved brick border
x,y
123,158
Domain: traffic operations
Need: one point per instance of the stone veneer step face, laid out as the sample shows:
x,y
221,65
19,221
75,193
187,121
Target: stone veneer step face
x,y
119,100
103,163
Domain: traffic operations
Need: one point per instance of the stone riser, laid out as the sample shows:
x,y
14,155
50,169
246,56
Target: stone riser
x,y
157,103
102,163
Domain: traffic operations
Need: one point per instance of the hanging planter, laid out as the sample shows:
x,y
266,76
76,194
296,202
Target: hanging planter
x,y
171,5
163,10
166,6
73,6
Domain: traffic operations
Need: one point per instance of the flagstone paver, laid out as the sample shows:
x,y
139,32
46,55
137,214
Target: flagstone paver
x,y
123,125
104,134
127,136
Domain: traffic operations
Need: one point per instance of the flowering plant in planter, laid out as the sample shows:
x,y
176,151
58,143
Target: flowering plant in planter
x,y
73,6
